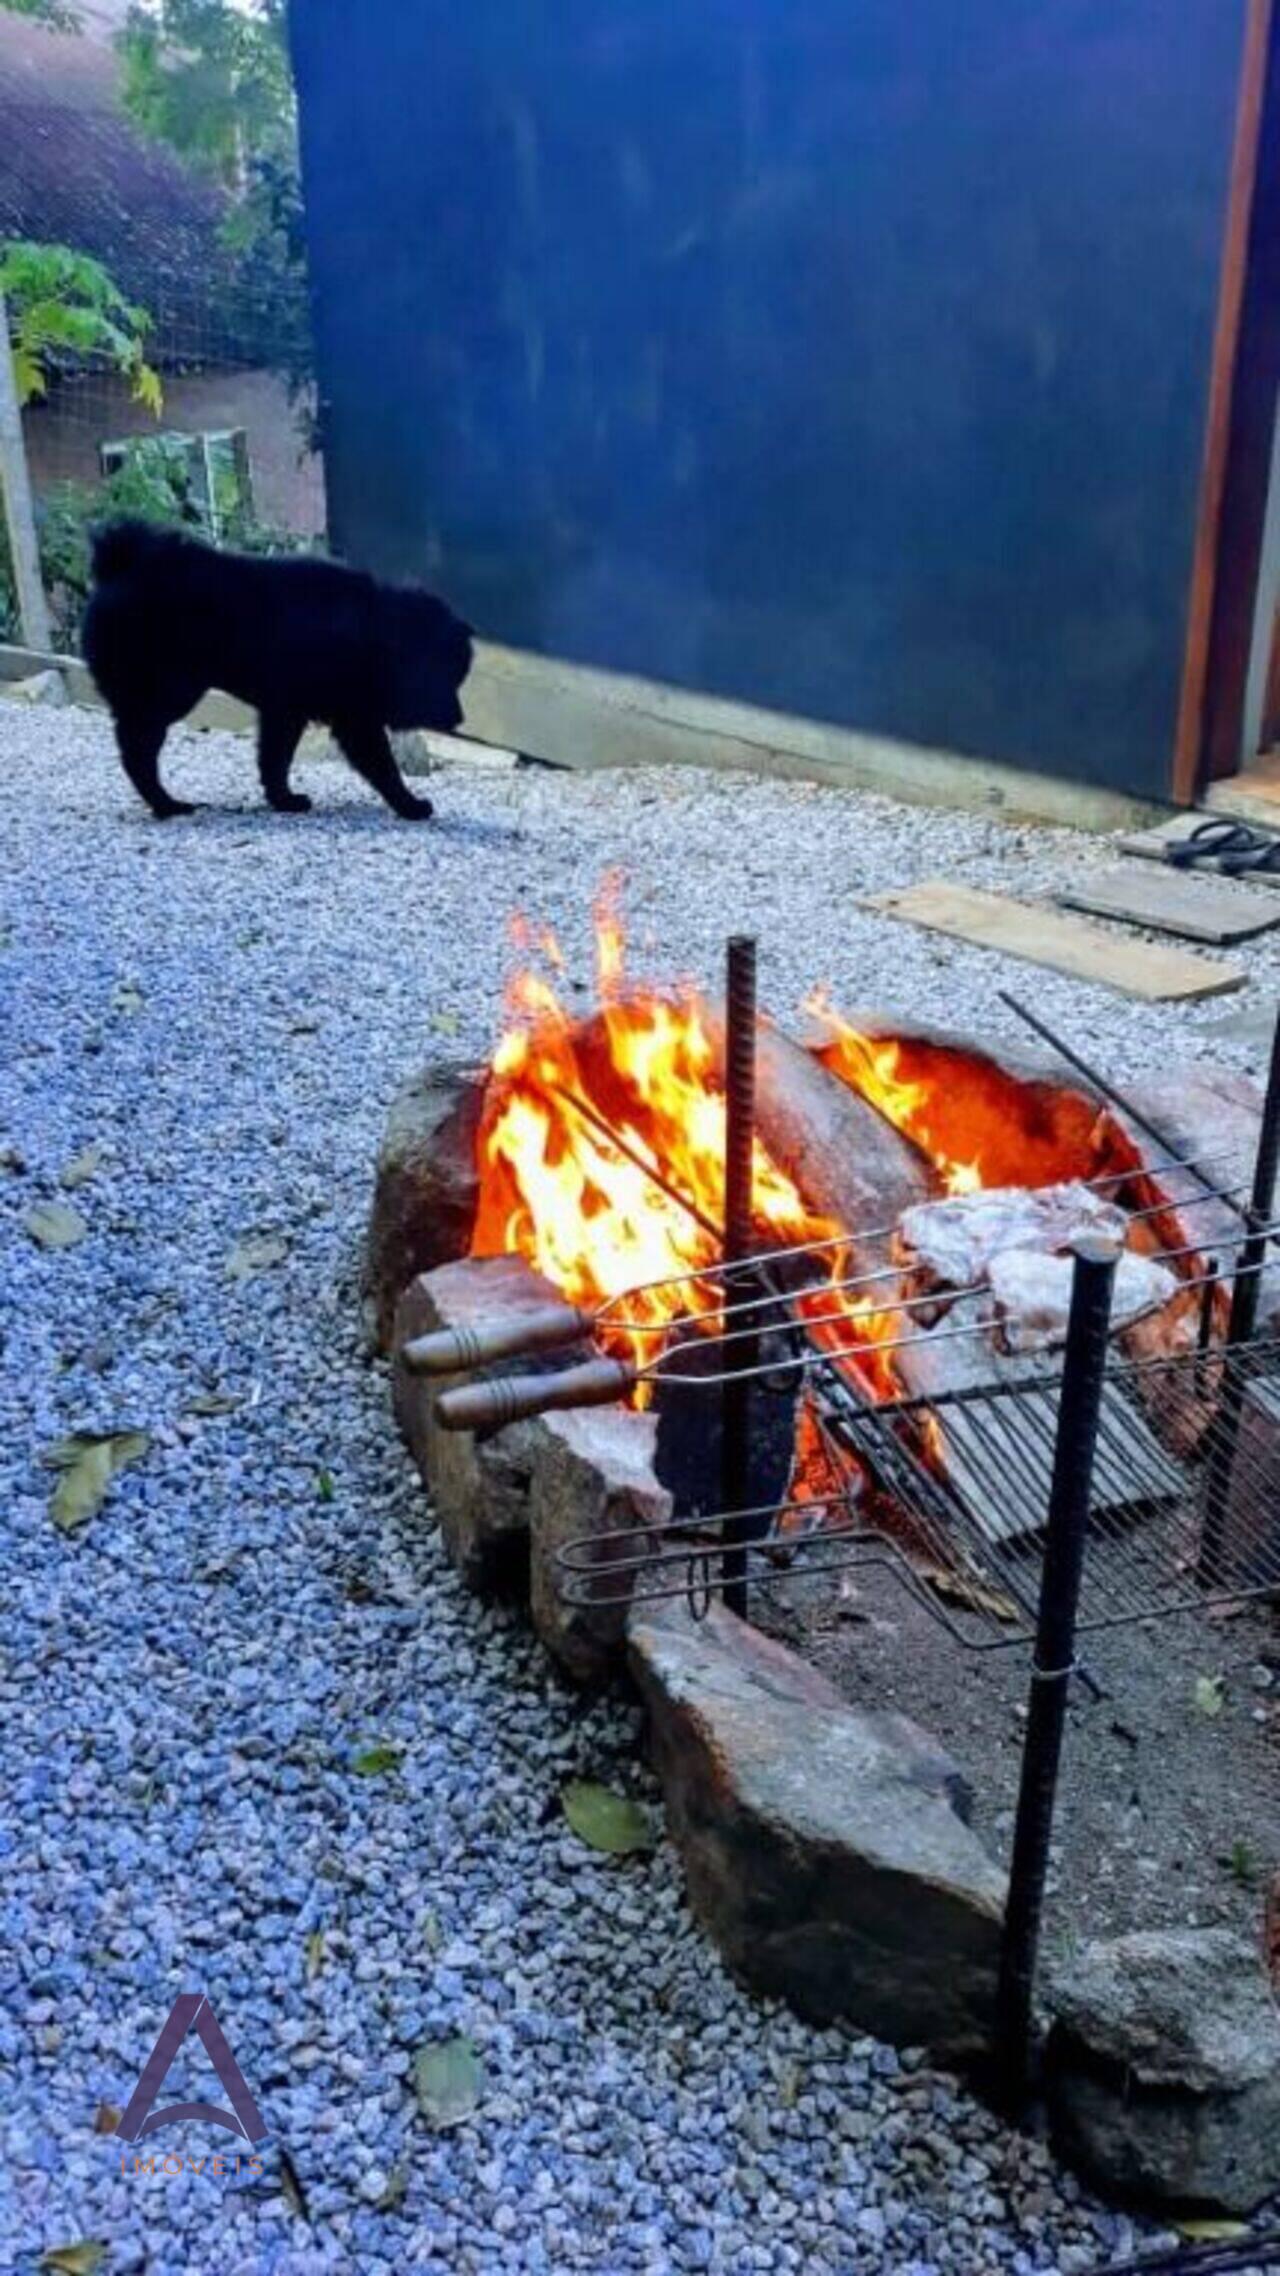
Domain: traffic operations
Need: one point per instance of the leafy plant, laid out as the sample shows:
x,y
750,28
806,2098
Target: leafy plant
x,y
54,13
64,303
151,485
213,81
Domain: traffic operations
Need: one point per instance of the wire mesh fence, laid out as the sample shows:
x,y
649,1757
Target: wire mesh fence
x,y
168,372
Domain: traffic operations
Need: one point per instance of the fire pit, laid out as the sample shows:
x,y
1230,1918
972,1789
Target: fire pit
x,y
683,1308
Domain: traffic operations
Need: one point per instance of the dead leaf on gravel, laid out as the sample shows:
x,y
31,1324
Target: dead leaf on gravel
x,y
292,2188
215,1403
1208,1694
106,2118
88,1464
448,2079
55,1226
957,1588
605,1820
376,1761
128,998
74,2259
256,1252
315,1954
397,2189
81,1169
444,1023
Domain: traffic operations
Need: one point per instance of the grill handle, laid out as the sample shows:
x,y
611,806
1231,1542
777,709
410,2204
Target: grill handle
x,y
453,1351
487,1406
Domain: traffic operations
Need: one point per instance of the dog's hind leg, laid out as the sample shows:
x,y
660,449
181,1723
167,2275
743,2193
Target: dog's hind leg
x,y
278,735
364,743
141,741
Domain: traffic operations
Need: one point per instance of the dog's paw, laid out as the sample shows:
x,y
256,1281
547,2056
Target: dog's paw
x,y
416,810
293,802
173,808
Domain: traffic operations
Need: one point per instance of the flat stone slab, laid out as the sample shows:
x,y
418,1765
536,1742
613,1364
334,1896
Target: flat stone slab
x,y
427,1185
593,1477
479,1483
822,1843
1164,2069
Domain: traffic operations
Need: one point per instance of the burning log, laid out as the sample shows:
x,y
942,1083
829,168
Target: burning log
x,y
846,1158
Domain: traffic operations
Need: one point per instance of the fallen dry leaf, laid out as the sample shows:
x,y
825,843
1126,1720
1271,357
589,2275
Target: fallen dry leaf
x,y
54,1226
74,2259
448,2079
88,1464
81,1169
605,1820
957,1588
256,1252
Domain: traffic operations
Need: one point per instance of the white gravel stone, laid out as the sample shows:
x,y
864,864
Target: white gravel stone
x,y
223,1006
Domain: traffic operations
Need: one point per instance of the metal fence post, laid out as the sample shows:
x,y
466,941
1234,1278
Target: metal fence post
x,y
1080,1405
740,1123
1246,1293
19,513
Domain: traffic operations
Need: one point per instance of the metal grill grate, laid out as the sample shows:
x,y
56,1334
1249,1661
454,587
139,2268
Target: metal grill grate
x,y
964,1530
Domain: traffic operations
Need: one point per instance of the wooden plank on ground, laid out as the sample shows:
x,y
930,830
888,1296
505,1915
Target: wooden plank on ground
x,y
1210,909
1041,935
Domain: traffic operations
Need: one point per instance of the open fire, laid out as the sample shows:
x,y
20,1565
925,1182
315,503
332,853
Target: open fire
x,y
601,1152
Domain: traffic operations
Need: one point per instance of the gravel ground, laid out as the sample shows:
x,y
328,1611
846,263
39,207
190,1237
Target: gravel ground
x,y
222,1007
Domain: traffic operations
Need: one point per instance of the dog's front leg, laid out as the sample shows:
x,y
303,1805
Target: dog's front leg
x,y
365,744
278,736
141,742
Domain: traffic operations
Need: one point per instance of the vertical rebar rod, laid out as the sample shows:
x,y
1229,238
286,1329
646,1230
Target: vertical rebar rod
x,y
1079,1410
739,1144
1246,1293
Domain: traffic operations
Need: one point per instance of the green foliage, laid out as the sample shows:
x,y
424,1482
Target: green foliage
x,y
213,81
65,304
152,485
55,13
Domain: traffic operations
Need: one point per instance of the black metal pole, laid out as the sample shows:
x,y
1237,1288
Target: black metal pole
x,y
1246,1292
1080,1404
739,1143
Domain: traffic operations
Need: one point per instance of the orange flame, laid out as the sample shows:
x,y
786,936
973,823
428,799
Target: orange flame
x,y
874,1067
603,1215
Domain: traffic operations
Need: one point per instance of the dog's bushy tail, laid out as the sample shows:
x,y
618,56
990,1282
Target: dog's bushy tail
x,y
120,548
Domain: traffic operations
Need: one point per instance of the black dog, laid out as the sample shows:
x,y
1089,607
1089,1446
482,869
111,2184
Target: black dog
x,y
299,639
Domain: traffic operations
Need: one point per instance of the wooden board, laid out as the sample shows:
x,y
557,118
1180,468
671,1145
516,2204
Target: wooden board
x,y
1042,935
1212,909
